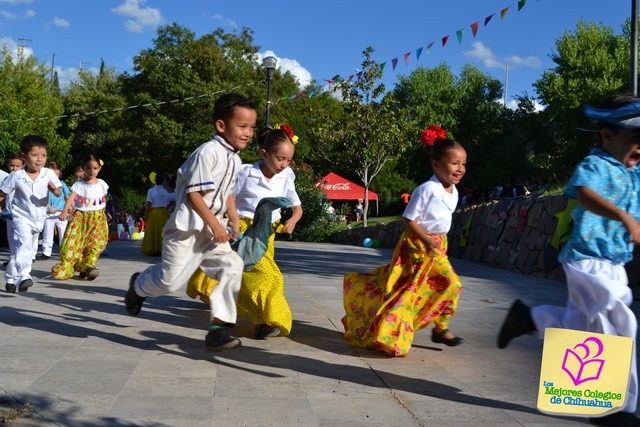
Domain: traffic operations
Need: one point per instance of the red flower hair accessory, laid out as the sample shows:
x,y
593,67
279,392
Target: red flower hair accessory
x,y
288,131
432,134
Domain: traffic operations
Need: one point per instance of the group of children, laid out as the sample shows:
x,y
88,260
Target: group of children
x,y
217,197
34,200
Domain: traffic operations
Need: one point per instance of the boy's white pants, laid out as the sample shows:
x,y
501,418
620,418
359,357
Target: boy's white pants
x,y
50,224
599,301
23,243
182,253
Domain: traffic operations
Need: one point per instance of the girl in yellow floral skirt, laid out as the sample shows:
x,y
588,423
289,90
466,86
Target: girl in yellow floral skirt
x,y
87,233
384,308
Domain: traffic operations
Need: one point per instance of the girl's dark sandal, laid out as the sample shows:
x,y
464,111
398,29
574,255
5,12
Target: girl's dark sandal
x,y
438,338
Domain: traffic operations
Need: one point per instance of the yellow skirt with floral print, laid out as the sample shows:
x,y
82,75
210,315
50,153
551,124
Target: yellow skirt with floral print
x,y
261,296
388,305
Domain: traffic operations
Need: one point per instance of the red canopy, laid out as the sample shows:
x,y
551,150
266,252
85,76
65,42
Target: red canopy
x,y
339,188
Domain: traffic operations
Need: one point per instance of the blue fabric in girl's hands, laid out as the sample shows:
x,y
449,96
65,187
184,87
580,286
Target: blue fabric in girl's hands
x,y
252,245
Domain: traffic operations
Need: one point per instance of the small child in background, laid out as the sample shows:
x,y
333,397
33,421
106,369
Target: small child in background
x,y
30,187
87,232
386,307
15,161
53,221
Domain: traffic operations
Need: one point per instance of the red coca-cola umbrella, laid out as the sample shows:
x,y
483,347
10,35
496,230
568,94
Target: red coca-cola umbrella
x,y
341,189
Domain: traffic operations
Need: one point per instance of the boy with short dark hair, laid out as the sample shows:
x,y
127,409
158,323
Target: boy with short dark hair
x,y
606,185
195,236
30,187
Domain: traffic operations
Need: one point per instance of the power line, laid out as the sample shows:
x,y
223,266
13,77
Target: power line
x,y
131,107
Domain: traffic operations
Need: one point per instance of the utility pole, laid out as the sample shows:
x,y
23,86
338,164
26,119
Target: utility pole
x,y
53,58
23,45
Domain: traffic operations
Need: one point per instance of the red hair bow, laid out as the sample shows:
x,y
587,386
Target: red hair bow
x,y
432,134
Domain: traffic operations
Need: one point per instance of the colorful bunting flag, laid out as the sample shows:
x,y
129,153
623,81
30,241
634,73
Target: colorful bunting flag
x,y
394,62
503,12
312,91
418,53
381,69
488,18
429,47
350,77
459,35
444,40
406,58
521,4
474,28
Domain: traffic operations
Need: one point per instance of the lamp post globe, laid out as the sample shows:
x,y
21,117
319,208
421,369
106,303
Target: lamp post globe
x,y
269,63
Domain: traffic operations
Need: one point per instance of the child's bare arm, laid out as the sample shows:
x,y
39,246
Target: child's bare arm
x,y
57,191
594,202
68,206
290,225
432,246
220,234
234,218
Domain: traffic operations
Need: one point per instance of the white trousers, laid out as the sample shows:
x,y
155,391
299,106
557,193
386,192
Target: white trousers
x,y
182,254
599,301
50,224
23,244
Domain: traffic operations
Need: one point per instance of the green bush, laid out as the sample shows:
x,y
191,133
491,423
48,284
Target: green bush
x,y
130,199
315,224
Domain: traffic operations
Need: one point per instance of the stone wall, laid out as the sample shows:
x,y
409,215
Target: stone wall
x,y
513,234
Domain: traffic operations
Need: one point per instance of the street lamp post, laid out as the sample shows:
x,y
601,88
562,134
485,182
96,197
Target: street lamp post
x,y
269,64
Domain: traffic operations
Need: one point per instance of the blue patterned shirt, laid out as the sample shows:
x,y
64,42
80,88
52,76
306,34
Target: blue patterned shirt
x,y
594,236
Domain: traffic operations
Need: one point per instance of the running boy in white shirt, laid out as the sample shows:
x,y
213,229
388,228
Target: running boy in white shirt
x,y
30,187
195,236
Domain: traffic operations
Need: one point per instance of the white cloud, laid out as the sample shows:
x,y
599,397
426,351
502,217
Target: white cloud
x,y
484,54
7,15
302,75
17,1
30,13
529,61
225,21
490,60
513,105
141,17
60,22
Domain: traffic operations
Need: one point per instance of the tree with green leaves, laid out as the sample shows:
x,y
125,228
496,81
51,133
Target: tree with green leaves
x,y
28,105
591,63
368,132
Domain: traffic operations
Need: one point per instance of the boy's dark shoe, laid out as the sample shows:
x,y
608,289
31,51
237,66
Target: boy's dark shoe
x,y
10,287
132,301
42,257
220,340
265,331
92,273
619,419
518,322
25,285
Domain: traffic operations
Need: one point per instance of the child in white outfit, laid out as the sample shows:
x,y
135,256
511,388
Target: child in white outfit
x,y
195,236
30,187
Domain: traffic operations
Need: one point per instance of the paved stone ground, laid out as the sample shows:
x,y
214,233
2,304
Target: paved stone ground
x,y
69,350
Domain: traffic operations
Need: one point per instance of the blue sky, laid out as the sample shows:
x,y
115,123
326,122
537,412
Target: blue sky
x,y
313,40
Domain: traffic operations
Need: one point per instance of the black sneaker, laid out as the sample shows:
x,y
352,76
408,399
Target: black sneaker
x,y
220,340
10,287
42,257
92,273
265,331
518,322
619,419
25,285
133,302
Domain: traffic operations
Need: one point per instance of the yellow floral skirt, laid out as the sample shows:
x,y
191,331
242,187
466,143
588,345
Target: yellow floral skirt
x,y
152,240
261,296
388,305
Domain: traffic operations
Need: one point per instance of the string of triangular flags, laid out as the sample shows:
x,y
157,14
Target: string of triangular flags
x,y
418,52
